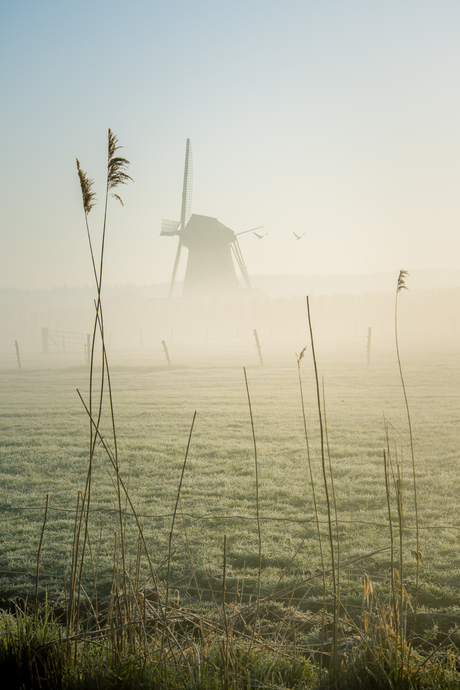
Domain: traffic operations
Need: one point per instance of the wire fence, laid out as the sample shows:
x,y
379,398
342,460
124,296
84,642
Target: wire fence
x,y
211,516
67,348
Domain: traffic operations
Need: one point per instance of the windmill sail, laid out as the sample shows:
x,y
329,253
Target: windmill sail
x,y
169,227
212,248
240,261
187,188
185,207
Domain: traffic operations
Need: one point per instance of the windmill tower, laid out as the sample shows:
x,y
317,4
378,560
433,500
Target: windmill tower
x,y
210,270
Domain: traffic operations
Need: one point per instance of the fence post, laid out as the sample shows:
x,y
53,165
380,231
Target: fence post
x,y
258,346
166,351
45,341
17,353
369,335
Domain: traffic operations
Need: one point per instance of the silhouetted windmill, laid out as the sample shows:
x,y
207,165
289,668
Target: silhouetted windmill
x,y
210,269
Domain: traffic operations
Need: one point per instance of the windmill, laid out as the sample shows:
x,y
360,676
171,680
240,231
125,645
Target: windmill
x,y
211,248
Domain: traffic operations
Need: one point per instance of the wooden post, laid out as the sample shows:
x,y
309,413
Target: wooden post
x,y
258,346
165,348
369,335
45,341
17,353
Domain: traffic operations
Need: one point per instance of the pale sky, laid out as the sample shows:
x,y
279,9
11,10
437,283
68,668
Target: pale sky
x,y
340,119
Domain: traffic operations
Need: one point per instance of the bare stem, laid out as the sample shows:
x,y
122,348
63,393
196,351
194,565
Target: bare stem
x,y
40,549
312,483
326,488
175,511
401,285
257,489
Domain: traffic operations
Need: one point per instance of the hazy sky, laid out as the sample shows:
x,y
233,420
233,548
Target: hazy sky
x,y
340,119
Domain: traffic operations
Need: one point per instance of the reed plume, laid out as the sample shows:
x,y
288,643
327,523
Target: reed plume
x,y
116,167
86,186
402,281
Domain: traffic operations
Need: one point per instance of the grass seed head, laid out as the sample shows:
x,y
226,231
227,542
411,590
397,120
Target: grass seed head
x,y
402,281
300,357
417,555
118,198
116,166
86,186
368,588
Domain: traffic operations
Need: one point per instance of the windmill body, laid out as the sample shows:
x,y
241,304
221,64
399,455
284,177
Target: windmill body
x,y
210,270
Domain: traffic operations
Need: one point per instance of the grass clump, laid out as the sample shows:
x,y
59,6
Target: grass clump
x,y
34,653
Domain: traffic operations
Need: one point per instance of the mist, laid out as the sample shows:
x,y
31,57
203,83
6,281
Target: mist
x,y
139,319
338,123
264,424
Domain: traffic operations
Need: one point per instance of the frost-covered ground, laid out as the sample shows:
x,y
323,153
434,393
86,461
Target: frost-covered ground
x,y
44,441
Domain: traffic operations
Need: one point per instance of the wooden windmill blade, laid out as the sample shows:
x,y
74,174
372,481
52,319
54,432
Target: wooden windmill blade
x,y
176,264
185,207
240,261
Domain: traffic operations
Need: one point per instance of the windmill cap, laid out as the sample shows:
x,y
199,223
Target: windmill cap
x,y
206,229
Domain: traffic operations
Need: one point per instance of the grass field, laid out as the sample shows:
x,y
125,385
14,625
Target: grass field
x,y
44,450
214,523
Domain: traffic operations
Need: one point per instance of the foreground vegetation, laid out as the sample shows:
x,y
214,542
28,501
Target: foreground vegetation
x,y
142,645
205,622
214,525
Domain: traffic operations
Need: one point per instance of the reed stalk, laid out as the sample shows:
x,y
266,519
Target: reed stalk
x,y
392,557
175,512
401,285
116,175
312,482
259,532
326,488
131,505
40,550
334,499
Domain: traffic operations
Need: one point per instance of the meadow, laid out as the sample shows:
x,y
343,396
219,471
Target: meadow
x,y
226,520
44,450
222,516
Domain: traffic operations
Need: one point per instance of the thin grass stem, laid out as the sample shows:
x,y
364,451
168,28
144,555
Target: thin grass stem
x,y
326,488
259,532
40,550
401,285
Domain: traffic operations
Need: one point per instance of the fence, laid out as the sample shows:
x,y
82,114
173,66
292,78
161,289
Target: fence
x,y
63,341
